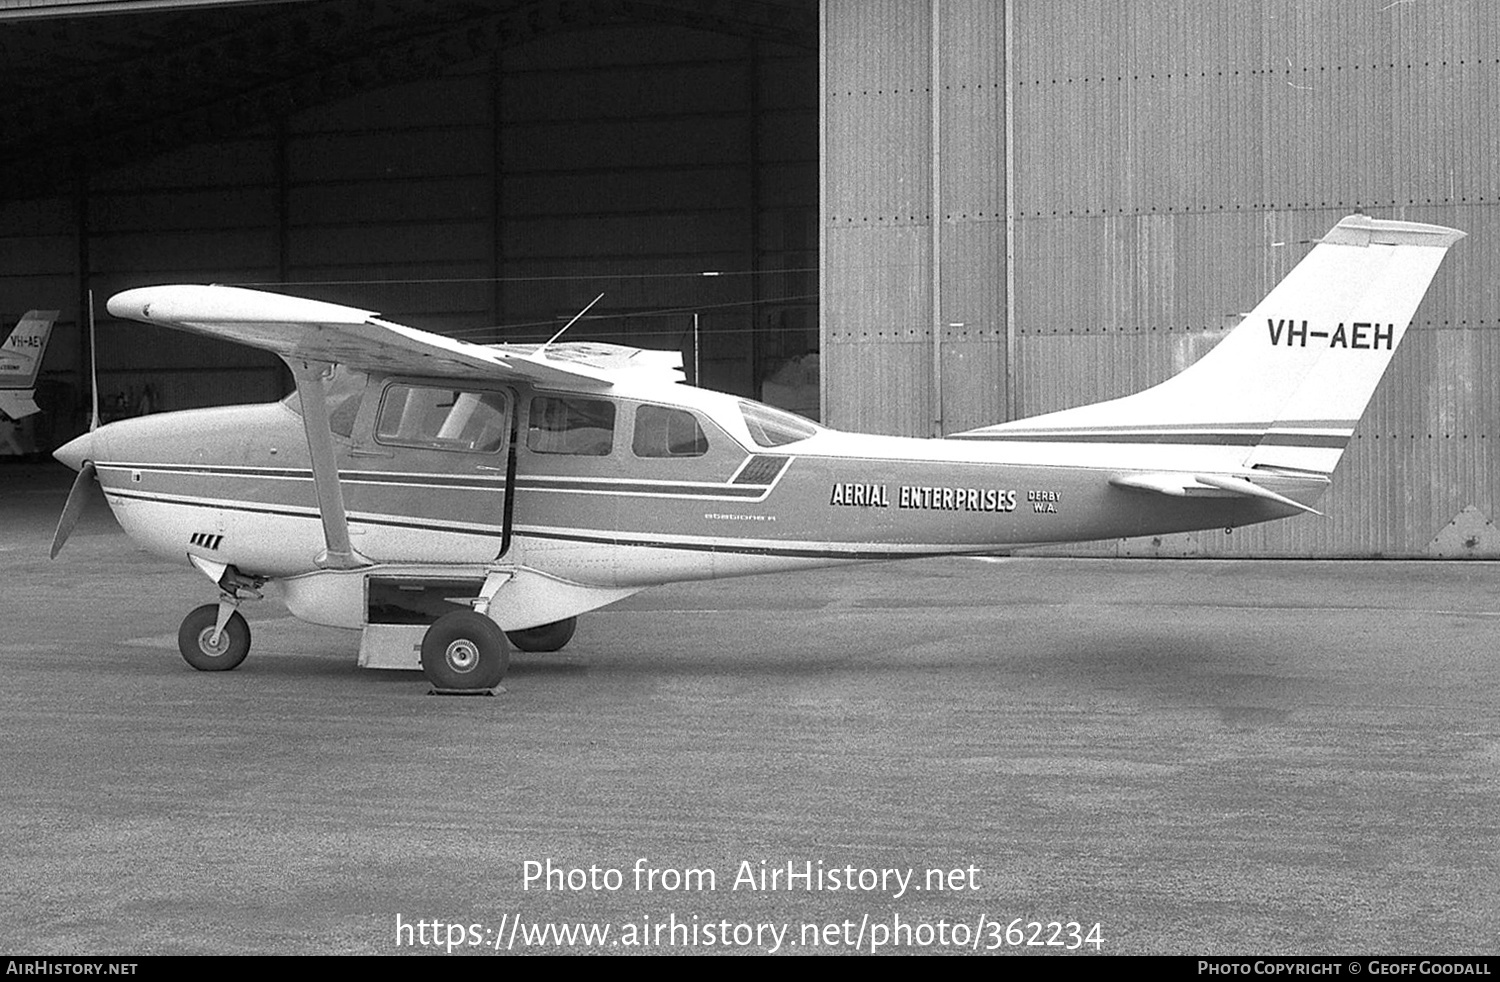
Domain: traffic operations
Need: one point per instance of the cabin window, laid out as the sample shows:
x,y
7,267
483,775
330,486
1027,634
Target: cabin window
x,y
345,389
560,425
773,427
663,432
443,418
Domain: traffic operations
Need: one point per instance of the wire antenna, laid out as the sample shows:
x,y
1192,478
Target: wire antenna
x,y
543,349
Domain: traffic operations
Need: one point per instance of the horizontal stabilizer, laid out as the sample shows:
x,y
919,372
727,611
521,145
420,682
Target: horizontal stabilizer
x,y
1249,489
1194,485
17,404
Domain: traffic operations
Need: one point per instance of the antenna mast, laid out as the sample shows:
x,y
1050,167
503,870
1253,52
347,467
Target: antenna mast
x,y
543,349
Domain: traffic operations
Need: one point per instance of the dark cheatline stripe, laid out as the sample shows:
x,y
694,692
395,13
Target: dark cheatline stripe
x,y
767,550
1258,426
1202,438
1199,438
352,477
627,487
599,539
310,514
741,489
1305,440
211,469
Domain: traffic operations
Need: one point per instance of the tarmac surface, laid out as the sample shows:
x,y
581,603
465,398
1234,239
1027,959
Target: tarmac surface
x,y
1197,756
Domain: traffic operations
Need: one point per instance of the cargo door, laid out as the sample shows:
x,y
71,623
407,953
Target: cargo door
x,y
428,477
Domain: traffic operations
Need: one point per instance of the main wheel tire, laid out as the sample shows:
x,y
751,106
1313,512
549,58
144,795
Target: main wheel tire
x,y
195,639
545,637
465,650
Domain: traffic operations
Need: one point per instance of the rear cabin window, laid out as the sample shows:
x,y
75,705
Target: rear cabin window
x,y
774,428
663,432
583,427
443,419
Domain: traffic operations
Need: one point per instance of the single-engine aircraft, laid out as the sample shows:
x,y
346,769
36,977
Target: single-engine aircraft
x,y
449,498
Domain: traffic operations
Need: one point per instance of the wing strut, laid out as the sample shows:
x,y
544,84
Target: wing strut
x,y
340,552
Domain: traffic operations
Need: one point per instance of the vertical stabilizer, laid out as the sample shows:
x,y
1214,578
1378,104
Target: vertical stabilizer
x,y
1292,380
21,360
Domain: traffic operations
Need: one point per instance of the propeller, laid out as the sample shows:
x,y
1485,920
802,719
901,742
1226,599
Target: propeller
x,y
83,488
73,453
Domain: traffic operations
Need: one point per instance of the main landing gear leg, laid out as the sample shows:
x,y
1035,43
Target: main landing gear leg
x,y
464,653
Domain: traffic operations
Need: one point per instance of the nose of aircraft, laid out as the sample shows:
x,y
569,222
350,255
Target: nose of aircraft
x,y
76,451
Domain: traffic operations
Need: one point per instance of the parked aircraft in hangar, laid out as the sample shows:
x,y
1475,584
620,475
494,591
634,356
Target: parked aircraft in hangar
x,y
456,498
21,360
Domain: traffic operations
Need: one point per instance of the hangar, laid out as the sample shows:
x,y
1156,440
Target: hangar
x,y
910,216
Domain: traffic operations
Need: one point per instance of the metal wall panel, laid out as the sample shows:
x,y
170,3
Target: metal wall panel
x,y
1171,160
876,213
884,224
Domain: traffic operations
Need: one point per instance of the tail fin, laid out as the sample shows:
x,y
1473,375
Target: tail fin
x,y
1292,380
21,360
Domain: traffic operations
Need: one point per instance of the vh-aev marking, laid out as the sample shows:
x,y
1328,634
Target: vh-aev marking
x,y
442,496
21,360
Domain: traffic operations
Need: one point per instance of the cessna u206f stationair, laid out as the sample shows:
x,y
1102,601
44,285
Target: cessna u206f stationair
x,y
445,496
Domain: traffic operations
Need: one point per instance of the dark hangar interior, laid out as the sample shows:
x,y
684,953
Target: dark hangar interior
x,y
479,169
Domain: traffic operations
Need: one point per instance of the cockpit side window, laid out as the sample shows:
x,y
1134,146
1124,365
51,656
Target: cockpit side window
x,y
570,425
443,418
664,432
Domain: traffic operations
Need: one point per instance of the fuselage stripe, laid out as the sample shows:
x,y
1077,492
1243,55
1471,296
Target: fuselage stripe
x,y
767,550
1127,428
396,479
597,538
1275,438
312,513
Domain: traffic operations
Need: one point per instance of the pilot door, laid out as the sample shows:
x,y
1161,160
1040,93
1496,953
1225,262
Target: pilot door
x,y
428,475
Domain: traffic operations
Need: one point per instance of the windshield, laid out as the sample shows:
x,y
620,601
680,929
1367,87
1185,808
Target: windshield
x,y
774,427
344,389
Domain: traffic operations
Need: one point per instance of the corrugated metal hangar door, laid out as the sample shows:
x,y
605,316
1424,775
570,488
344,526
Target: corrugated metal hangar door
x,y
1031,205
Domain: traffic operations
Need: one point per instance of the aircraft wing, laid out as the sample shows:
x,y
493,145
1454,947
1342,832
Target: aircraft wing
x,y
314,331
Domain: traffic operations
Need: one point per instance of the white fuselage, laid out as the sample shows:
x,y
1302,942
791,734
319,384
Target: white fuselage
x,y
234,486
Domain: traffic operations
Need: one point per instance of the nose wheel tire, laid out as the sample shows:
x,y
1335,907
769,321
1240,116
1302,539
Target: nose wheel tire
x,y
199,647
546,637
464,650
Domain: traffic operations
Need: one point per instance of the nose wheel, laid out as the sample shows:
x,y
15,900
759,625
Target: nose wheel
x,y
211,645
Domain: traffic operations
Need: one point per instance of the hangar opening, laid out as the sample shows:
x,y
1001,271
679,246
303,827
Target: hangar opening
x,y
478,169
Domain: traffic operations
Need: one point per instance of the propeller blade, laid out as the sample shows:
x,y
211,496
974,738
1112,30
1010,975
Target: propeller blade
x,y
77,498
